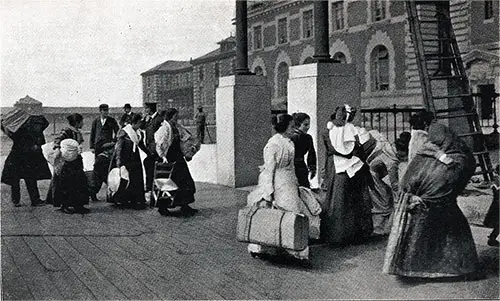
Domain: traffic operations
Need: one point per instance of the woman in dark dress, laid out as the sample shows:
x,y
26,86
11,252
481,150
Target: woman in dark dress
x,y
26,161
69,186
303,145
169,148
127,156
430,236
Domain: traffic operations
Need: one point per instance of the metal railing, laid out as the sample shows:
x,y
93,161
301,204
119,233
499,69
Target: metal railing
x,y
390,121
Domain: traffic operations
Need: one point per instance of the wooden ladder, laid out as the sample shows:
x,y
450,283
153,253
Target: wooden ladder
x,y
439,62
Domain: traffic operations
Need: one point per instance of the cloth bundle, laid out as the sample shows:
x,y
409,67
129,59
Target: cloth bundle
x,y
70,149
189,144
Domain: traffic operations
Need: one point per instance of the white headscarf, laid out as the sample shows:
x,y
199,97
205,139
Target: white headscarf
x,y
163,139
132,135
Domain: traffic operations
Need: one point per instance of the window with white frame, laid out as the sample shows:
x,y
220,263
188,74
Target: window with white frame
x,y
257,37
282,31
307,24
340,57
281,89
379,69
338,15
378,10
488,9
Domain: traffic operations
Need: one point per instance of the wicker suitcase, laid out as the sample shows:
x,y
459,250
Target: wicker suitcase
x,y
273,227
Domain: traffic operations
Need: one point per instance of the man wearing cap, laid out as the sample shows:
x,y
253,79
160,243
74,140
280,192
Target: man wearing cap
x,y
151,123
127,116
104,129
102,135
200,119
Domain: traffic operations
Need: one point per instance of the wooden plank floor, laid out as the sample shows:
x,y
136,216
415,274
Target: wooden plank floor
x,y
114,254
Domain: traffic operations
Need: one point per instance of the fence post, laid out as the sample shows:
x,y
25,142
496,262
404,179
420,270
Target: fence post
x,y
395,123
495,124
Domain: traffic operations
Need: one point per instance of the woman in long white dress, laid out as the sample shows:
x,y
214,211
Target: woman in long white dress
x,y
278,184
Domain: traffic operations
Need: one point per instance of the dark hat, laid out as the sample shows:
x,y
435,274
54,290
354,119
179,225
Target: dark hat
x,y
127,106
103,107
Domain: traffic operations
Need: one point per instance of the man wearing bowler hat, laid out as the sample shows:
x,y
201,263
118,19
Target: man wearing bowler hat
x,y
127,116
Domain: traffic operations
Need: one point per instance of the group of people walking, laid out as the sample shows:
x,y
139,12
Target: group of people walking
x,y
115,145
362,193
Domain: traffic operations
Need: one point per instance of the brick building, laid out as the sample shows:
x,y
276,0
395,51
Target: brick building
x,y
373,35
170,84
206,72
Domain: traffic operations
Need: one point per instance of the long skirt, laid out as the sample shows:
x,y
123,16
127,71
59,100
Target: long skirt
x,y
383,201
69,187
430,243
347,216
182,177
134,194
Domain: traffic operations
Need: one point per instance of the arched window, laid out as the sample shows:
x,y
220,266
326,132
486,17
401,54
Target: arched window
x,y
339,56
258,70
282,80
309,60
379,69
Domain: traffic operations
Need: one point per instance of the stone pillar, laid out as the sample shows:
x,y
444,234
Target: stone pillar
x,y
321,32
241,38
243,115
317,89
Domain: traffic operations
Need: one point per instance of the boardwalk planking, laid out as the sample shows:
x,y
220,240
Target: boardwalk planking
x,y
58,271
12,278
162,263
30,267
121,278
94,280
163,285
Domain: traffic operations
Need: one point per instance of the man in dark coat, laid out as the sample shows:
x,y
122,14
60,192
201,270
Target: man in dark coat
x,y
103,131
200,119
151,123
26,161
127,116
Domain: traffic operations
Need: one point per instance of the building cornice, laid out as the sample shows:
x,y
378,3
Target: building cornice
x,y
272,9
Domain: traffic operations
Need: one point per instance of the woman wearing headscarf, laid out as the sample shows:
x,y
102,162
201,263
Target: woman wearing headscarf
x,y
347,215
430,236
69,187
127,157
278,185
419,123
303,146
168,147
26,161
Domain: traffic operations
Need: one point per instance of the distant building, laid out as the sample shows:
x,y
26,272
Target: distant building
x,y
29,104
170,84
206,72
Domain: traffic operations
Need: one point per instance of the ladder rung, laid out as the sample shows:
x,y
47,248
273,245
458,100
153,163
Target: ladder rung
x,y
481,153
449,110
428,21
470,134
440,58
452,96
455,116
443,77
438,39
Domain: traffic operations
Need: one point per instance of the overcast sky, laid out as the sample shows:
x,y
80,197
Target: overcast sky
x,y
82,53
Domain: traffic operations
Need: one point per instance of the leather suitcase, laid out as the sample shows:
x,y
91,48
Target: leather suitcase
x,y
273,227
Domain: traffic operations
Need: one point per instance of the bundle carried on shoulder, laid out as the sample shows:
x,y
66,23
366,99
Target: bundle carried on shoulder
x,y
70,149
273,227
189,144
